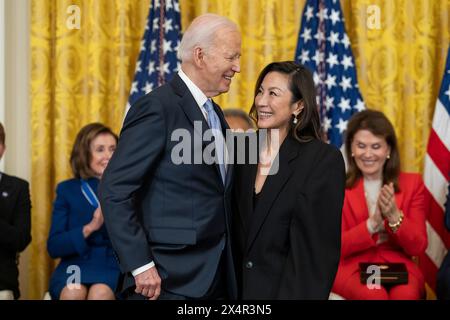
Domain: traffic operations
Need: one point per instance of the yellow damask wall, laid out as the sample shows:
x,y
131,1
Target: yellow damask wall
x,y
80,76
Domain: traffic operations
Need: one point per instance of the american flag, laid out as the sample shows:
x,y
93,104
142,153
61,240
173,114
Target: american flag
x,y
436,178
324,47
158,60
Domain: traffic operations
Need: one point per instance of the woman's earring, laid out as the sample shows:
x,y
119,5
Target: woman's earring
x,y
388,156
353,155
295,119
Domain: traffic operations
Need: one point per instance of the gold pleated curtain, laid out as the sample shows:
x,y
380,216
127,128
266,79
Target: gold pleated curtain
x,y
84,75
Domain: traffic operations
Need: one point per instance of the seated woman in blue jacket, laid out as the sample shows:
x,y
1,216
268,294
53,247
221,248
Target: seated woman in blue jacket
x,y
88,268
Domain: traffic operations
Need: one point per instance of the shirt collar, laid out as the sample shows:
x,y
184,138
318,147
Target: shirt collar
x,y
198,95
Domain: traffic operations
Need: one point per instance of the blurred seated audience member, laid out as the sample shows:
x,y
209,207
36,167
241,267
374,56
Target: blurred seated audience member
x,y
383,218
443,278
15,227
88,268
238,119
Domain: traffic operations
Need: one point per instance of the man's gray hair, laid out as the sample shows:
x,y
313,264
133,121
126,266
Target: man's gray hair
x,y
202,33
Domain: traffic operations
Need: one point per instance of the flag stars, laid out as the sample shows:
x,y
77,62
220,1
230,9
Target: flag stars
x,y
304,56
176,46
153,46
347,62
332,60
329,56
316,78
318,57
176,6
319,36
168,25
306,35
134,87
329,103
344,104
346,83
151,68
138,66
333,38
359,105
334,17
155,24
158,50
326,124
448,92
342,125
167,46
309,13
322,14
142,45
148,87
331,81
345,41
166,67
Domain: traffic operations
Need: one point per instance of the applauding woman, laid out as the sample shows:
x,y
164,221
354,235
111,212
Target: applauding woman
x,y
88,268
383,220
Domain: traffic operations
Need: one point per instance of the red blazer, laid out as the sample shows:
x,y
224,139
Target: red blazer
x,y
409,240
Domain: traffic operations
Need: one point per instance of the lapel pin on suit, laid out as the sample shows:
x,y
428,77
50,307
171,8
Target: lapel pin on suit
x,y
5,194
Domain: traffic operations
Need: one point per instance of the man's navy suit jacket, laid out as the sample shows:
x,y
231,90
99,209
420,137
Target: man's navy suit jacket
x,y
177,215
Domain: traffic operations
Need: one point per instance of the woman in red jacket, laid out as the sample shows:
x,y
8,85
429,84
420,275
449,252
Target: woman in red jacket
x,y
383,218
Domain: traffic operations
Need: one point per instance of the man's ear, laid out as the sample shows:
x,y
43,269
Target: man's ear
x,y
199,55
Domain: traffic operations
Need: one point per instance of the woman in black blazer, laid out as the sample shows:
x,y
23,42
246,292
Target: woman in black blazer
x,y
287,203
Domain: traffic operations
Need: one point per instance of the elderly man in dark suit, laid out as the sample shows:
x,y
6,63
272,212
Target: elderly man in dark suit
x,y
165,194
15,227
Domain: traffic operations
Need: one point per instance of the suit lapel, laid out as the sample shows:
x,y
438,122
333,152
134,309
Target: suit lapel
x,y
196,117
246,191
272,187
189,106
357,201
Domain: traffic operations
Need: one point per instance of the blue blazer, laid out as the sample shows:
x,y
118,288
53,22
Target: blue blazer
x,y
177,215
93,256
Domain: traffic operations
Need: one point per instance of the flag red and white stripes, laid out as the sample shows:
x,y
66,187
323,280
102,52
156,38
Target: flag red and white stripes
x,y
436,178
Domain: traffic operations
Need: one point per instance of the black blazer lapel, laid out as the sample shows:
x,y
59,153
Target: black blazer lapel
x,y
272,187
6,192
245,192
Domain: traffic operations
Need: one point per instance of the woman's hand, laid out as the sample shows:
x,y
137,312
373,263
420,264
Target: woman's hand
x,y
94,224
386,202
376,220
